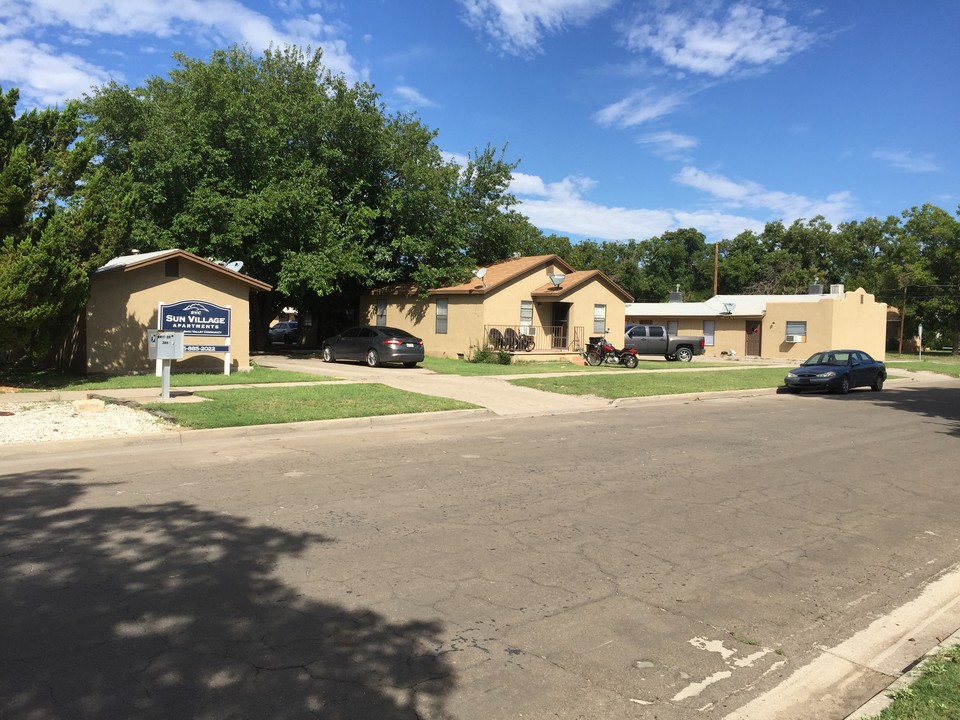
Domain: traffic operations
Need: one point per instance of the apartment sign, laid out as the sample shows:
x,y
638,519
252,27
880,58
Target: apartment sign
x,y
195,317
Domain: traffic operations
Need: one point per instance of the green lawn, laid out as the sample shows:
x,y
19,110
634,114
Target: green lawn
x,y
935,695
634,384
530,367
944,364
237,407
40,380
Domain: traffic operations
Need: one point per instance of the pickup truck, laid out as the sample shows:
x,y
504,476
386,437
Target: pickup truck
x,y
654,340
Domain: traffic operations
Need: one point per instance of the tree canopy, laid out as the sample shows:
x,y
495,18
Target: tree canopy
x,y
323,193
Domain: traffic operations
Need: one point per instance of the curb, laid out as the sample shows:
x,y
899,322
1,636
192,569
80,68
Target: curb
x,y
883,699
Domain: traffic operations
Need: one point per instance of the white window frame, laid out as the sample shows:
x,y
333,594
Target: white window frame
x,y
600,319
710,332
796,327
442,316
526,313
381,313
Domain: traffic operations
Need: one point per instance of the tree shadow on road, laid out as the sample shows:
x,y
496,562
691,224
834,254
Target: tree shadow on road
x,y
938,403
172,611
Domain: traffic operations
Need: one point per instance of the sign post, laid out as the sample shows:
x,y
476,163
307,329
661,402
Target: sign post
x,y
165,347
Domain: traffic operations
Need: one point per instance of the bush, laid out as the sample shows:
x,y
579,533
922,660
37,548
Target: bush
x,y
482,354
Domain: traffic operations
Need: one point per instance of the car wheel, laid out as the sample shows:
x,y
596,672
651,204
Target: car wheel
x,y
630,361
373,358
328,354
593,359
877,384
684,354
288,339
844,386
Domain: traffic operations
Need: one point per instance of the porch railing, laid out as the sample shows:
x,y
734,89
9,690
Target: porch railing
x,y
545,338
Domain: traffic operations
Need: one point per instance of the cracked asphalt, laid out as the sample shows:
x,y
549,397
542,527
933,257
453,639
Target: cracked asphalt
x,y
669,560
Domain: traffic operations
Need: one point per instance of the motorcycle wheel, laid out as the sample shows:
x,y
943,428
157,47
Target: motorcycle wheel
x,y
593,359
629,361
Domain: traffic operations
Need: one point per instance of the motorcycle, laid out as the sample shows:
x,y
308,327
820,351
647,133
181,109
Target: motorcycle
x,y
599,351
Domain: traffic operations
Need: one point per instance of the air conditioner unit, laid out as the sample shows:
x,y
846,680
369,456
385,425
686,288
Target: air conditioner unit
x,y
530,330
793,338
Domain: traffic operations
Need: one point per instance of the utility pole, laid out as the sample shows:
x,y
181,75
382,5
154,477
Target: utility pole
x,y
716,264
903,316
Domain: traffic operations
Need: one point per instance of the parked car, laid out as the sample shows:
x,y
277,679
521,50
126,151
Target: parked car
x,y
374,345
837,371
655,340
285,332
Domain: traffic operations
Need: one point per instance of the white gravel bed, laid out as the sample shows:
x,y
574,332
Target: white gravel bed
x,y
39,422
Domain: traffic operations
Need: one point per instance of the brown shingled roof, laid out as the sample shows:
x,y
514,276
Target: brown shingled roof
x,y
500,273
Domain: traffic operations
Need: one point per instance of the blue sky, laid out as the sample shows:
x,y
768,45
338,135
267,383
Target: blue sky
x,y
629,119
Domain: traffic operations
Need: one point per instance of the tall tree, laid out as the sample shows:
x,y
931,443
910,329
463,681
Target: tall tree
x,y
48,246
277,162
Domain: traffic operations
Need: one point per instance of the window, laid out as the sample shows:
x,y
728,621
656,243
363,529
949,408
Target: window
x,y
672,328
381,313
637,331
441,316
796,327
654,331
709,331
526,313
599,318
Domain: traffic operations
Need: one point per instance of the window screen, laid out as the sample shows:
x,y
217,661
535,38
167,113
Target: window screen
x,y
441,316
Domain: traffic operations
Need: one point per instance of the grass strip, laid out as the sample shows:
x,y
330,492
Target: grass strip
x,y
934,695
450,366
634,384
237,407
40,380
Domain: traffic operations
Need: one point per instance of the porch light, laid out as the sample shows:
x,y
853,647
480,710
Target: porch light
x,y
557,278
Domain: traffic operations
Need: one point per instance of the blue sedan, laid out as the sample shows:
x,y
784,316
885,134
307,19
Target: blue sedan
x,y
837,371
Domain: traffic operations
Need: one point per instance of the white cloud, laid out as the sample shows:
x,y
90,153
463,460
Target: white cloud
x,y
637,109
562,208
911,162
214,22
518,26
46,76
412,96
669,145
746,38
836,207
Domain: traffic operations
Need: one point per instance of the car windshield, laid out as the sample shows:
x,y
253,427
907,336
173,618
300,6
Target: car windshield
x,y
829,358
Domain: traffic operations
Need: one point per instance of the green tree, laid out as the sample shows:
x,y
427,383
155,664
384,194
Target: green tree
x,y
48,245
277,162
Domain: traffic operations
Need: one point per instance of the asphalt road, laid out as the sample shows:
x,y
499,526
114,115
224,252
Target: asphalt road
x,y
668,560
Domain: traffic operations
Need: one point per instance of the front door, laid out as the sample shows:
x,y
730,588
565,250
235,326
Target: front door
x,y
752,345
559,320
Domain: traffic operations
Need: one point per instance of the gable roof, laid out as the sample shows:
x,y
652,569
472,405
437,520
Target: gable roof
x,y
127,263
575,279
503,272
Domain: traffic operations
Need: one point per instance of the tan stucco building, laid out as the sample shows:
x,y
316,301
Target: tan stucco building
x,y
125,298
775,326
539,297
